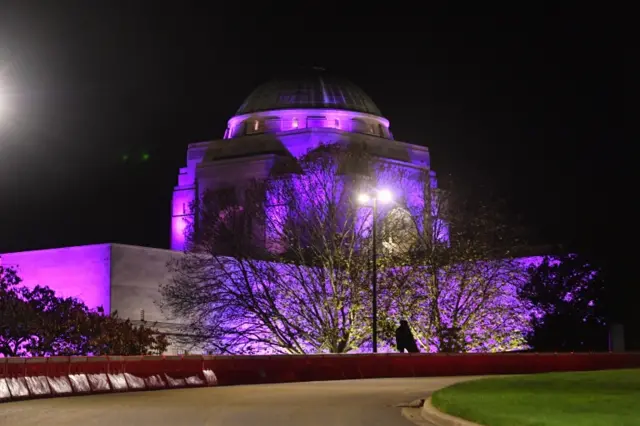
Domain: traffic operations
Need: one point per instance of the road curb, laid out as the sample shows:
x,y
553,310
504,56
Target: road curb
x,y
438,418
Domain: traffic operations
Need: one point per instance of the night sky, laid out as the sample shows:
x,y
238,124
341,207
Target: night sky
x,y
519,105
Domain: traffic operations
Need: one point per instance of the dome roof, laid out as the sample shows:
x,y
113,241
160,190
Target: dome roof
x,y
313,88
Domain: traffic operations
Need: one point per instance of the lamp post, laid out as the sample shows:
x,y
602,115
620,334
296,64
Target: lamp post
x,y
384,196
2,101
5,107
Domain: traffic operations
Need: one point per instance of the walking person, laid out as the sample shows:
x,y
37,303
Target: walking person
x,y
405,339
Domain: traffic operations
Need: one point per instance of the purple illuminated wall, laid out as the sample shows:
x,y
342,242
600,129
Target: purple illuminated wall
x,y
83,272
296,119
295,130
181,215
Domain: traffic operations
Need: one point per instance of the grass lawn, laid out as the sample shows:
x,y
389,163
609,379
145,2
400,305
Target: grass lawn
x,y
598,398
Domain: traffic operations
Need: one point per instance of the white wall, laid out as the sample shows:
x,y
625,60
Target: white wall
x,y
136,276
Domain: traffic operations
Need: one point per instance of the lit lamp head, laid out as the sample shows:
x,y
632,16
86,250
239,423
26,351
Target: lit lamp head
x,y
384,196
363,198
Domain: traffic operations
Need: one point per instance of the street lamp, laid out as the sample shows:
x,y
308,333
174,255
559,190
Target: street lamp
x,y
384,196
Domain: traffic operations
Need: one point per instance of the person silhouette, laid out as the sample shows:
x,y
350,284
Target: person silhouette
x,y
405,339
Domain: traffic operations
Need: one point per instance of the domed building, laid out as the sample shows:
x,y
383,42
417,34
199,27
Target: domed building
x,y
285,117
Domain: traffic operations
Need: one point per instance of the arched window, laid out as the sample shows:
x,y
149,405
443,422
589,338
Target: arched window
x,y
255,126
273,124
359,126
316,122
399,231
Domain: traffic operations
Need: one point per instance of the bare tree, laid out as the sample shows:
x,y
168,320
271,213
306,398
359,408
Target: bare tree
x,y
455,280
285,265
280,269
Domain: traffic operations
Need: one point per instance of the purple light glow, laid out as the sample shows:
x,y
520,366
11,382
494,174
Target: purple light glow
x,y
181,214
293,119
498,326
277,213
83,272
179,228
292,127
532,261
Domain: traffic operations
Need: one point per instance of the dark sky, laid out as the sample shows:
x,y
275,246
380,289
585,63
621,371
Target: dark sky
x,y
519,104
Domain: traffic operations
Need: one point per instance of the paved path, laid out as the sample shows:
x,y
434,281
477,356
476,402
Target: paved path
x,y
353,403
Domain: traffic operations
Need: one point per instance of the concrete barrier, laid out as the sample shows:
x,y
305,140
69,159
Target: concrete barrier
x,y
22,378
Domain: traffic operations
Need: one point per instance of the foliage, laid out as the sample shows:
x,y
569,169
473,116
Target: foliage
x,y
111,335
36,322
566,296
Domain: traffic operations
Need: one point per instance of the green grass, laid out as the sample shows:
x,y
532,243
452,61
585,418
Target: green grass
x,y
594,398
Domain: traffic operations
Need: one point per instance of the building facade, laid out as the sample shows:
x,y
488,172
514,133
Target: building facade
x,y
284,118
